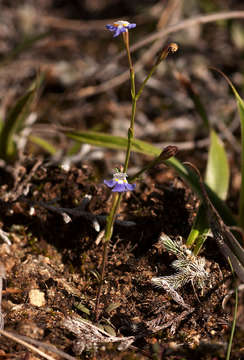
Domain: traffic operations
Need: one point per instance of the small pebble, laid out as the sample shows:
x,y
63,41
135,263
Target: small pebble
x,y
37,297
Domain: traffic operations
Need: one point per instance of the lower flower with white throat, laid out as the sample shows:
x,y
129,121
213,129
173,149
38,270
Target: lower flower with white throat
x,y
119,183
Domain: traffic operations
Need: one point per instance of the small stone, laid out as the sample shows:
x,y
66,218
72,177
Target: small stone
x,y
37,297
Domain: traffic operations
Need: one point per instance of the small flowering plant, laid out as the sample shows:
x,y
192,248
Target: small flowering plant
x,y
119,183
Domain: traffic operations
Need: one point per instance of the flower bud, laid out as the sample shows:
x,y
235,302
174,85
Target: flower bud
x,y
171,48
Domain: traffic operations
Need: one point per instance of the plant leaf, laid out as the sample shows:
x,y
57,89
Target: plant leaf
x,y
113,142
199,231
43,144
217,178
118,142
227,243
15,117
81,307
217,173
240,105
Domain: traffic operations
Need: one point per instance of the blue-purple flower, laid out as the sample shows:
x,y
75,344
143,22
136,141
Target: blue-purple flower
x,y
120,26
119,183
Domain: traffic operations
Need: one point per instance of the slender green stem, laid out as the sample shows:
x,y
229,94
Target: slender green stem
x,y
241,201
107,237
132,122
163,55
133,97
146,80
166,154
171,48
117,196
234,316
150,165
233,325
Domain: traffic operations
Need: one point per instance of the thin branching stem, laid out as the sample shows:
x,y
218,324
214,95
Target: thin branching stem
x,y
118,196
241,200
134,100
233,325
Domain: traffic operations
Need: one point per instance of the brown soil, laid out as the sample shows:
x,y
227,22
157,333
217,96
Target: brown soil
x,y
61,261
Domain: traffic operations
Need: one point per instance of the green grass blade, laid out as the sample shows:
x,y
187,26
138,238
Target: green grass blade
x,y
226,241
120,143
241,201
217,175
45,145
113,142
240,105
15,120
12,123
199,231
218,172
75,148
217,178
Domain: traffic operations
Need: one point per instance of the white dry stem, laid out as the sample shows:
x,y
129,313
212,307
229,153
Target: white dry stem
x,y
90,336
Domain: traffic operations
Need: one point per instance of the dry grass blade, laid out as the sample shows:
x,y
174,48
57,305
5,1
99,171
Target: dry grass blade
x,y
24,343
228,245
90,336
48,347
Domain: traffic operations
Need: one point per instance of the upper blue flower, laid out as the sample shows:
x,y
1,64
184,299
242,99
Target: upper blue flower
x,y
119,27
119,183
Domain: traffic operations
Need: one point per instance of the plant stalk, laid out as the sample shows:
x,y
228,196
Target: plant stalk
x,y
107,237
117,196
